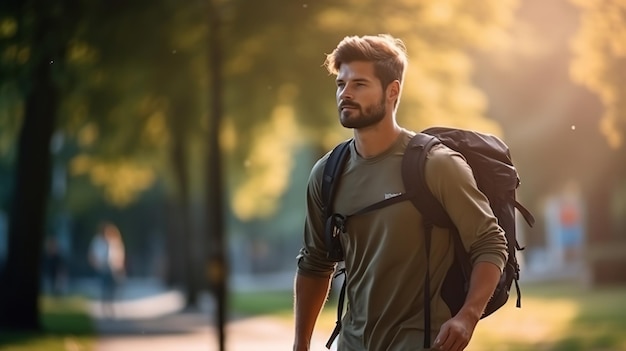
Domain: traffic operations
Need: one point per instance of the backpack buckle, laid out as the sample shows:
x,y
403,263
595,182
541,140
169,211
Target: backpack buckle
x,y
339,224
335,225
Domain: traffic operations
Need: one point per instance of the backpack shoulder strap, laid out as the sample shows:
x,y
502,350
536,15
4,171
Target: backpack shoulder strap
x,y
330,180
414,179
332,172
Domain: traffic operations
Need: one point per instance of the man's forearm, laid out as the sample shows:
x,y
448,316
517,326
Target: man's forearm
x,y
484,279
456,333
310,296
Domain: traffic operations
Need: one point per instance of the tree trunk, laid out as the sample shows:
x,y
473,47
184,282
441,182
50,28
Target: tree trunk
x,y
45,27
180,163
174,275
19,309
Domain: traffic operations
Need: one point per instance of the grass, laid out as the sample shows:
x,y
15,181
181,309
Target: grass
x,y
66,325
553,317
562,317
278,303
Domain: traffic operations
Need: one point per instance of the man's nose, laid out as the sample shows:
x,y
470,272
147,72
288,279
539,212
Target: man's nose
x,y
345,93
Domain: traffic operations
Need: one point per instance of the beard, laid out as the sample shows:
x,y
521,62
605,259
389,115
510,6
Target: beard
x,y
358,118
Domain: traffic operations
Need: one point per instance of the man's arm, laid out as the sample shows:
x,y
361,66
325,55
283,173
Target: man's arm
x,y
451,180
310,296
456,333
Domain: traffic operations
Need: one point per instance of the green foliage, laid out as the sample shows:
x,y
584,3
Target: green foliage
x,y
136,93
600,61
137,84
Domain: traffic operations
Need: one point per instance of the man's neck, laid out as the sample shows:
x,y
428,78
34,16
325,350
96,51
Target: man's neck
x,y
372,141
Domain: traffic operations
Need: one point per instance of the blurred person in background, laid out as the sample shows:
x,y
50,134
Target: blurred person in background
x,y
107,257
54,267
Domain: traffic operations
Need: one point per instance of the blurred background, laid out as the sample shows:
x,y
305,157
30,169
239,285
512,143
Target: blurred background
x,y
192,127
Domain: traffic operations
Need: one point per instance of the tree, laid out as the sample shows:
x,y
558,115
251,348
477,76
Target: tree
x,y
44,29
143,112
111,146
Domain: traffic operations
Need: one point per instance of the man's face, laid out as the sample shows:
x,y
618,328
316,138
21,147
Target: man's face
x,y
360,97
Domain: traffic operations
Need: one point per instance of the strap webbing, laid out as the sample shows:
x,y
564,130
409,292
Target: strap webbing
x,y
525,213
428,229
342,295
337,224
380,204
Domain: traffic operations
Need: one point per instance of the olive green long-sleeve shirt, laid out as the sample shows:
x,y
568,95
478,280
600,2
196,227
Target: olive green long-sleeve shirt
x,y
384,249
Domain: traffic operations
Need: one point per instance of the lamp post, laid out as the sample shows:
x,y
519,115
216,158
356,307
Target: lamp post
x,y
217,270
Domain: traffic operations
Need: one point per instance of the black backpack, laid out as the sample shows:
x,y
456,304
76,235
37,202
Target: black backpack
x,y
496,177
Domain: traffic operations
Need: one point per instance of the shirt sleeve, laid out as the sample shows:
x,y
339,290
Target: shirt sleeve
x,y
452,182
312,259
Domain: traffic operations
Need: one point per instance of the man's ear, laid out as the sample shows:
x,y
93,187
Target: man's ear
x,y
393,90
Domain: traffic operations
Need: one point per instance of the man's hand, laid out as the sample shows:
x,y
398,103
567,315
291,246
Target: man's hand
x,y
455,334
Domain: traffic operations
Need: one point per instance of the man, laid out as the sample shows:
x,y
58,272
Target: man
x,y
384,249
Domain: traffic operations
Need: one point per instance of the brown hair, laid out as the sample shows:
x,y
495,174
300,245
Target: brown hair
x,y
386,52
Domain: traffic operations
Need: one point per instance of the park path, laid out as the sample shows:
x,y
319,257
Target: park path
x,y
152,318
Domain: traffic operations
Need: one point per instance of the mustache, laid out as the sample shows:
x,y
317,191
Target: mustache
x,y
349,104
